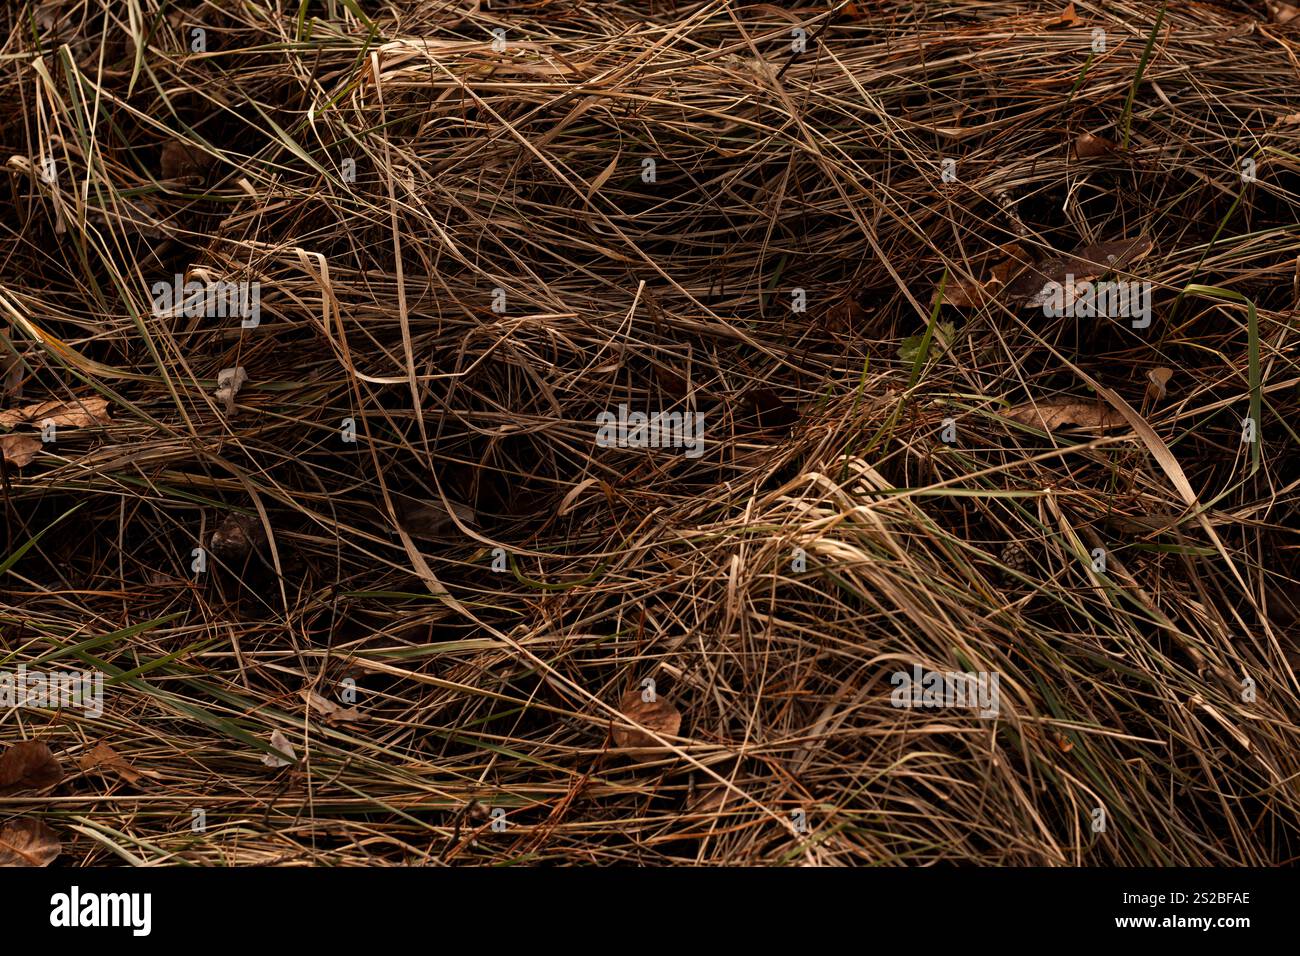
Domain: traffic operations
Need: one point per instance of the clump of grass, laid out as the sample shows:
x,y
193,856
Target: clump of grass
x,y
461,251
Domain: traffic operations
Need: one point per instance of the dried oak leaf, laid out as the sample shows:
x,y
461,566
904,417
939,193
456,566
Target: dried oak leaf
x,y
74,414
19,450
1059,413
28,765
657,715
28,842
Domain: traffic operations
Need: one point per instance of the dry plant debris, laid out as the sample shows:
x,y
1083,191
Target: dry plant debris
x,y
465,248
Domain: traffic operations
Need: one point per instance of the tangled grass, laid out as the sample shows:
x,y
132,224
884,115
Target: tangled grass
x,y
501,269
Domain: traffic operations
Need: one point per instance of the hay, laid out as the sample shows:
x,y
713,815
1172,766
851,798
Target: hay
x,y
464,259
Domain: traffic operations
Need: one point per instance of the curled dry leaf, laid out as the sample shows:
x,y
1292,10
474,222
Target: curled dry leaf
x,y
1089,145
1069,18
102,757
237,537
965,293
285,753
28,765
657,715
1052,415
28,842
1157,379
331,711
229,382
1085,264
74,414
19,450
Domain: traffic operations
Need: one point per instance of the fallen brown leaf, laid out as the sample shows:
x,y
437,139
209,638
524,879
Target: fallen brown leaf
x,y
844,316
28,765
19,450
1283,12
1085,264
965,293
182,161
237,537
1157,379
284,749
75,414
657,715
1059,413
1089,145
103,757
331,711
229,382
28,842
1069,18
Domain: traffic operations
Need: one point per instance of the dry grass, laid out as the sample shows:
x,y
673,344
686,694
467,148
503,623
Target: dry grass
x,y
521,170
